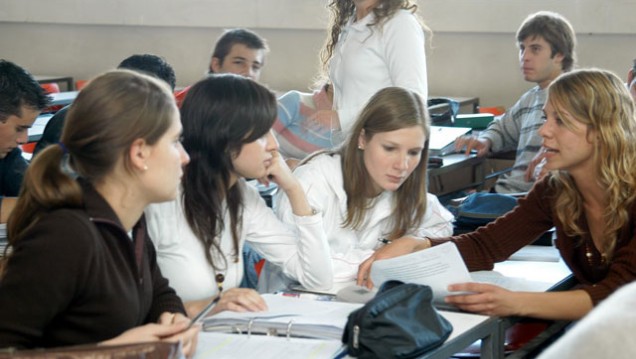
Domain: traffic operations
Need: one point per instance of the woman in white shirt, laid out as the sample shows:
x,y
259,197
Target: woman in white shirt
x,y
227,122
373,189
372,44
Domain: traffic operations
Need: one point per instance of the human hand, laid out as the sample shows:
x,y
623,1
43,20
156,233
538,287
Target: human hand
x,y
152,332
536,168
279,172
322,120
188,337
233,299
470,142
398,247
483,298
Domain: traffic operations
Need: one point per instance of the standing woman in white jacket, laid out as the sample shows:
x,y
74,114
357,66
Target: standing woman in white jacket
x,y
227,121
371,44
373,189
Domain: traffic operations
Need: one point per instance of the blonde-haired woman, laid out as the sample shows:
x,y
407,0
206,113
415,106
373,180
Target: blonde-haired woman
x,y
589,196
81,268
371,44
373,189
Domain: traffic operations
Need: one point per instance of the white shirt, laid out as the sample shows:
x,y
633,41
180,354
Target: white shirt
x,y
322,180
366,60
300,248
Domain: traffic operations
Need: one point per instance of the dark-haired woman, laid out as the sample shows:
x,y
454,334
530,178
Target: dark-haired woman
x,y
227,123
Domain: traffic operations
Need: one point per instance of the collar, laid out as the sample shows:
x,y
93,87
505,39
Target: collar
x,y
96,206
361,25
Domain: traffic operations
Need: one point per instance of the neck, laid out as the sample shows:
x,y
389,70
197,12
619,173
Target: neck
x,y
125,202
547,82
363,9
592,193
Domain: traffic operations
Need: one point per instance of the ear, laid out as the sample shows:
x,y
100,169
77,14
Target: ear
x,y
362,140
215,65
558,57
139,153
630,77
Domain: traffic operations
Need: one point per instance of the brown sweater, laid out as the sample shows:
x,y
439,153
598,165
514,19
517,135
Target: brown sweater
x,y
533,216
76,278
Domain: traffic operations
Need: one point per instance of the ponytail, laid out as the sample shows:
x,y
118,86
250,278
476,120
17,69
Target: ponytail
x,y
47,186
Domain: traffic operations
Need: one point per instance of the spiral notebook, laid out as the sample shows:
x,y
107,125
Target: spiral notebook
x,y
287,317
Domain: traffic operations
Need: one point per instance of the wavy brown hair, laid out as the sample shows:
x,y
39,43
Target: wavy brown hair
x,y
598,99
343,10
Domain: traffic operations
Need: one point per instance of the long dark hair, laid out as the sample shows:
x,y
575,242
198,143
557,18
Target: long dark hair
x,y
220,114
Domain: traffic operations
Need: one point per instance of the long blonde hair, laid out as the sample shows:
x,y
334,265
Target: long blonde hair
x,y
598,99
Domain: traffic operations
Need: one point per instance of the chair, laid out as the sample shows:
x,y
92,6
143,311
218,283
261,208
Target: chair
x,y
79,84
50,88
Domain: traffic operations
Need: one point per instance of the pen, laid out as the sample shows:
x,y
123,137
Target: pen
x,y
197,318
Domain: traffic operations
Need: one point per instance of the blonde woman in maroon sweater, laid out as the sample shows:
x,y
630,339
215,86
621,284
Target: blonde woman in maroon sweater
x,y
589,196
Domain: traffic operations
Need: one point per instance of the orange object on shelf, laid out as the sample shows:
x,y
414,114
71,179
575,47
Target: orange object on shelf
x,y
79,84
495,110
50,88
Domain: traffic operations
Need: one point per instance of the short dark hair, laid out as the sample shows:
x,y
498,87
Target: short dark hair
x,y
237,36
17,89
152,65
556,30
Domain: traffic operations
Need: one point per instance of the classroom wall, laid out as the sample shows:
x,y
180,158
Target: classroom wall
x,y
472,52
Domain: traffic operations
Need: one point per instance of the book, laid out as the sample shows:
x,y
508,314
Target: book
x,y
442,139
287,316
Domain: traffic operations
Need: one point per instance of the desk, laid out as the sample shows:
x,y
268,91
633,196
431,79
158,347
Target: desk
x,y
458,172
63,98
47,79
514,275
471,102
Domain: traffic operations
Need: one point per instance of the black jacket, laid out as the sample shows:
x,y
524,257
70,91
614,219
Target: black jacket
x,y
12,169
75,279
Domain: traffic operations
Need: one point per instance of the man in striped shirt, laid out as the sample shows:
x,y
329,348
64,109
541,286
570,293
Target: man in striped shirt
x,y
546,44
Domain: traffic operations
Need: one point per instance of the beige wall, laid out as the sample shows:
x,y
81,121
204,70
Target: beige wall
x,y
473,50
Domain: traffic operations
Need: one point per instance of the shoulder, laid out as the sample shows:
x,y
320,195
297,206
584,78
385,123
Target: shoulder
x,y
64,229
323,164
403,19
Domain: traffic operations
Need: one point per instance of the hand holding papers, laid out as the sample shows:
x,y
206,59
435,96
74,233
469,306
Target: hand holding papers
x,y
437,267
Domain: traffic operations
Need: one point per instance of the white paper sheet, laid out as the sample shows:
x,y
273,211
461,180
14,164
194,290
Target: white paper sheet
x,y
437,267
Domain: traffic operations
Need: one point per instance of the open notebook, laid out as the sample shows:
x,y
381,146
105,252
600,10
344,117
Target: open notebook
x,y
287,316
442,139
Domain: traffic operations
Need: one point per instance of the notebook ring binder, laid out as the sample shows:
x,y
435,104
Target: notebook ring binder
x,y
249,327
289,328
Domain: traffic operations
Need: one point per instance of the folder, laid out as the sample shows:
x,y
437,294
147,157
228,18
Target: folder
x,y
442,139
286,317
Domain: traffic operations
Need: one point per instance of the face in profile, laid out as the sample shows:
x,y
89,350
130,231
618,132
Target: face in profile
x,y
391,157
241,60
569,147
255,157
14,130
165,163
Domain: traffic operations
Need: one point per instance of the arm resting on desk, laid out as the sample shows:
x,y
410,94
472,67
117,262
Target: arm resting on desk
x,y
493,300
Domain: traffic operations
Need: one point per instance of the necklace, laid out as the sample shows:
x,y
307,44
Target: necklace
x,y
219,278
